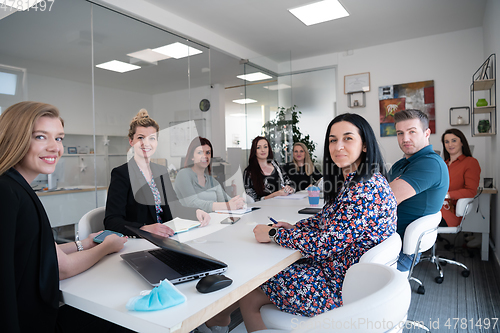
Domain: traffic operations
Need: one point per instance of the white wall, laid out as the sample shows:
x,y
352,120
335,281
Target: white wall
x,y
183,106
448,59
314,94
491,33
114,108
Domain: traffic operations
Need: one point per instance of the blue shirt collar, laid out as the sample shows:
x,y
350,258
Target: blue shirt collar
x,y
424,151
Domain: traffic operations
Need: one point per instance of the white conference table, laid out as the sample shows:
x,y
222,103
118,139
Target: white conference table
x,y
104,289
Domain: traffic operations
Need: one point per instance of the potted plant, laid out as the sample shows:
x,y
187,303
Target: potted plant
x,y
283,131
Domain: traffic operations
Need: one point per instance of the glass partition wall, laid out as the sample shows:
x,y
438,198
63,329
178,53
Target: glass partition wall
x,y
264,88
278,88
61,56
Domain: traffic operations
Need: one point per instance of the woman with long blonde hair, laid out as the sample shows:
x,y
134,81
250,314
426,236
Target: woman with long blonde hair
x,y
301,171
31,135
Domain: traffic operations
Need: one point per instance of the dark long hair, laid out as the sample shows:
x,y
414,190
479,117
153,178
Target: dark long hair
x,y
253,167
198,142
371,160
465,145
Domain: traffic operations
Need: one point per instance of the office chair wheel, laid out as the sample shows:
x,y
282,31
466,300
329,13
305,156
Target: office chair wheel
x,y
465,273
439,279
421,290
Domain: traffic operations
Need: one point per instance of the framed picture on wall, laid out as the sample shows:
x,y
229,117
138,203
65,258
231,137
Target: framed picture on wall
x,y
357,83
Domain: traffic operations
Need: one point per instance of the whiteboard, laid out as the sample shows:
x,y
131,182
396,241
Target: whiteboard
x,y
182,133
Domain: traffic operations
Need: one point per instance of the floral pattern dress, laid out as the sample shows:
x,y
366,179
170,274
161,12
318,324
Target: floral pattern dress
x,y
361,216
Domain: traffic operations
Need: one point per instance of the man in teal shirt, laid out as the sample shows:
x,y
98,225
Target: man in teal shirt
x,y
420,179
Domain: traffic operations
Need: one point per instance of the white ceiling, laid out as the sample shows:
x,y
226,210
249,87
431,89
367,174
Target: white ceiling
x,y
58,43
267,28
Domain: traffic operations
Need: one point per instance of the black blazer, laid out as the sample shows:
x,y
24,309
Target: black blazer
x,y
300,180
131,202
29,281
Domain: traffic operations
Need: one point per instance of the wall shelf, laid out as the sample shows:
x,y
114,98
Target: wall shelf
x,y
356,99
484,86
460,116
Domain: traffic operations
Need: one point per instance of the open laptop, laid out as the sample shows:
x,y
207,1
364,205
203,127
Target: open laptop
x,y
174,261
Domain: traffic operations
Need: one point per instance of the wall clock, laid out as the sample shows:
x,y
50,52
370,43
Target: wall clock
x,y
204,105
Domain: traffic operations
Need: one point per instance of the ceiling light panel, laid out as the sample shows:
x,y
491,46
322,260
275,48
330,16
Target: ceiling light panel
x,y
254,76
148,55
117,66
177,50
319,12
244,101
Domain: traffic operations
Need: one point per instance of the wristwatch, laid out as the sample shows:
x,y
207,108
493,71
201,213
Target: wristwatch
x,y
79,245
272,233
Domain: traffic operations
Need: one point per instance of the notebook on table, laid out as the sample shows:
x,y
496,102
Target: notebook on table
x,y
179,225
174,261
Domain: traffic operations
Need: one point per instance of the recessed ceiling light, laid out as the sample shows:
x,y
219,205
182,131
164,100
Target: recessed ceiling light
x,y
117,66
245,101
148,55
319,12
254,76
279,86
177,50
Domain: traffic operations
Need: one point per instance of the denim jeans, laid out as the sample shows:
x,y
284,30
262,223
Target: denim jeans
x,y
405,260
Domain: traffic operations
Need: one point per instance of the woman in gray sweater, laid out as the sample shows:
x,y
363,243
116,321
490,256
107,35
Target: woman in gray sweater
x,y
196,187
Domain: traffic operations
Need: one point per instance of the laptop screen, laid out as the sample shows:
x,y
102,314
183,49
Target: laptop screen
x,y
173,245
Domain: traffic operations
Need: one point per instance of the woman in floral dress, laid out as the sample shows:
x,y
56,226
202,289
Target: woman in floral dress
x,y
359,213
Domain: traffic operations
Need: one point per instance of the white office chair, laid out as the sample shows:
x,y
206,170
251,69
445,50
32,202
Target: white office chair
x,y
420,235
463,207
91,222
371,293
385,253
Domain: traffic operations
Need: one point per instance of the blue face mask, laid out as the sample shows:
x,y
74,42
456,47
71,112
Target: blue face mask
x,y
161,297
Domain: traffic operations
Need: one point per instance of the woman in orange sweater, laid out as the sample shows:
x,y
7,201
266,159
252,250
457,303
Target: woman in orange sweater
x,y
464,173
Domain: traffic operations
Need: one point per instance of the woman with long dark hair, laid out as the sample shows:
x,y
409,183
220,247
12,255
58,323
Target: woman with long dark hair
x,y
263,177
464,171
196,187
360,212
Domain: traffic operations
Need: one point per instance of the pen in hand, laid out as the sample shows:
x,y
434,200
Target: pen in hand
x,y
272,220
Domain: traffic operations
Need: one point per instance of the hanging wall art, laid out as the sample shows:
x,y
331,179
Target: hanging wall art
x,y
397,97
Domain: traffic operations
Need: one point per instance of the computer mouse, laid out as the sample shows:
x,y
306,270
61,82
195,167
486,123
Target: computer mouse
x,y
212,283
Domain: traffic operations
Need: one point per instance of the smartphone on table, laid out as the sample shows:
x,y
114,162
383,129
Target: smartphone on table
x,y
230,220
100,238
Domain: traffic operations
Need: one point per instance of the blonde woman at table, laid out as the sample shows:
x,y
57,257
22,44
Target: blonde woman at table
x,y
464,173
360,212
31,137
140,193
301,170
263,177
196,187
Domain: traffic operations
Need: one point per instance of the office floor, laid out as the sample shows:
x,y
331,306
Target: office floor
x,y
459,304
